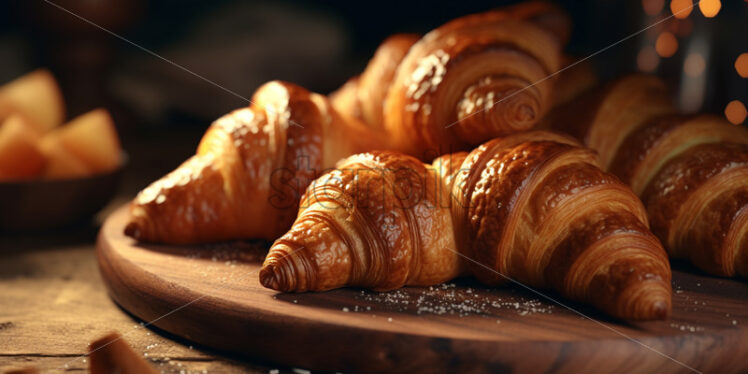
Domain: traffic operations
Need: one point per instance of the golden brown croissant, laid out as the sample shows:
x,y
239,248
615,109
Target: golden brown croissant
x,y
534,207
250,170
362,96
463,83
469,81
691,172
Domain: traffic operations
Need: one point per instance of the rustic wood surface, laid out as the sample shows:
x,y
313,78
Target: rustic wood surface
x,y
212,296
53,303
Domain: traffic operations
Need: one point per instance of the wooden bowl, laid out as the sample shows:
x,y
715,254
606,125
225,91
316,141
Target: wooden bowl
x,y
35,205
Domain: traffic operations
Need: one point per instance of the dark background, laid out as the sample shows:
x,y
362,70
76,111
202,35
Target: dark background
x,y
241,44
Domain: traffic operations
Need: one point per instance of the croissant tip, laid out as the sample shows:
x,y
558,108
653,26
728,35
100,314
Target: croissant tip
x,y
269,277
133,230
652,305
660,310
526,116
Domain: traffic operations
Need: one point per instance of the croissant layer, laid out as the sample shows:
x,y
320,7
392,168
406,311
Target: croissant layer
x,y
469,81
472,79
533,208
249,171
689,170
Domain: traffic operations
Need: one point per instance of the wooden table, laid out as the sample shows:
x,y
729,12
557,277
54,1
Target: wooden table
x,y
53,303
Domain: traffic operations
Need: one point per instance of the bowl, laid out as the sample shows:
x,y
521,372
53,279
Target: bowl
x,y
34,205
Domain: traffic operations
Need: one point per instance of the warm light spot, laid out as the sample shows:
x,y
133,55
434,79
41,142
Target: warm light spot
x,y
681,8
666,44
735,112
647,59
694,65
653,7
741,64
710,8
681,27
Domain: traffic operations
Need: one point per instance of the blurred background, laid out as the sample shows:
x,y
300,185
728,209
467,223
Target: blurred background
x,y
241,44
166,69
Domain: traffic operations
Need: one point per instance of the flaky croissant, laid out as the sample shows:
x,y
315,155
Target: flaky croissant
x,y
474,78
249,171
532,207
469,81
691,171
362,96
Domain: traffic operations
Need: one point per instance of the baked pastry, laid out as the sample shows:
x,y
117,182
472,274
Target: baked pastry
x,y
37,97
533,207
249,171
362,96
252,165
20,155
691,171
474,78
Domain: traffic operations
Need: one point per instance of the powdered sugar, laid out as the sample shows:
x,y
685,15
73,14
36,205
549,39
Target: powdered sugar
x,y
448,299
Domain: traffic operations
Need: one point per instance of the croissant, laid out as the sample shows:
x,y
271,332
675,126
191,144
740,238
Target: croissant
x,y
691,171
249,171
533,207
472,79
362,96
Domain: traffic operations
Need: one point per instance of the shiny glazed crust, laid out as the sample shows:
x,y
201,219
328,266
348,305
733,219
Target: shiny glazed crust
x,y
250,170
472,79
689,170
532,207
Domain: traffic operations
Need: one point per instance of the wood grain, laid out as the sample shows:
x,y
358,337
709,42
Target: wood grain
x,y
53,303
213,297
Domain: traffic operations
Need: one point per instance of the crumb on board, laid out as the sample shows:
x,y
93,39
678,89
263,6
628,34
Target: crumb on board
x,y
686,327
448,299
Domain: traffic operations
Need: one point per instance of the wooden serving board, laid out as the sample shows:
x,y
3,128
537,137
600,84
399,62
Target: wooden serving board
x,y
211,295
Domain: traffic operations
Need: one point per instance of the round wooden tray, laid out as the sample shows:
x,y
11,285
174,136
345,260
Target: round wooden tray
x,y
211,295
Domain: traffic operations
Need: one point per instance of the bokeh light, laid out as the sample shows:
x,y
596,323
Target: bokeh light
x,y
710,8
681,27
681,8
741,64
735,112
653,7
666,44
647,59
694,65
